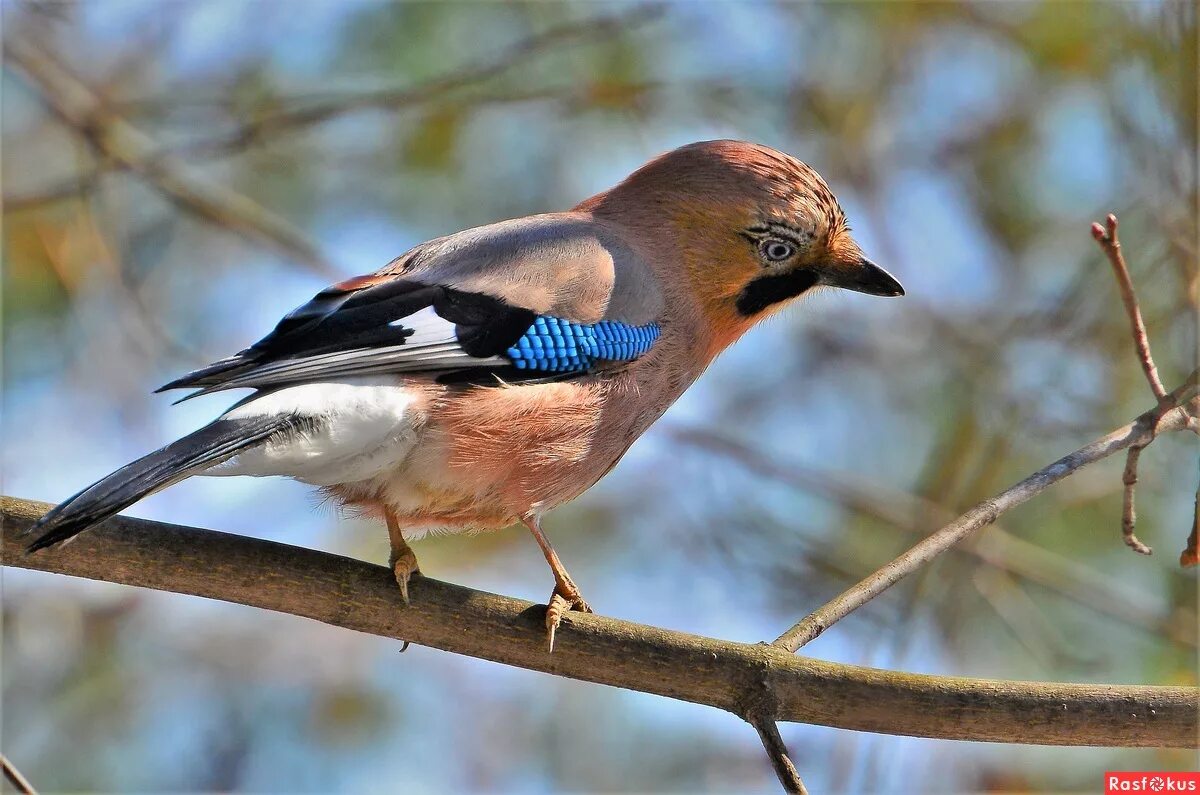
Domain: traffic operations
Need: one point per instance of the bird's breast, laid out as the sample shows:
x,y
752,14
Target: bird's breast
x,y
535,446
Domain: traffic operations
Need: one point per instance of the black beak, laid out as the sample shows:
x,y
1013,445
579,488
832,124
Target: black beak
x,y
864,277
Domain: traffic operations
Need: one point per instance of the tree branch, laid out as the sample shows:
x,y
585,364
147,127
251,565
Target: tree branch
x,y
1110,244
768,732
1106,236
1129,479
749,680
14,777
999,548
1138,432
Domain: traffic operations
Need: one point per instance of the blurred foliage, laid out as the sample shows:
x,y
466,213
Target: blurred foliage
x,y
971,145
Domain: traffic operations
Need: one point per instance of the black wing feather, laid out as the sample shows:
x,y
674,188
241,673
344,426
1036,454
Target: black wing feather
x,y
364,317
485,326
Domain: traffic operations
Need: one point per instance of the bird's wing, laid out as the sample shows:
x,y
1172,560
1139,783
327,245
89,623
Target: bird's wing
x,y
547,296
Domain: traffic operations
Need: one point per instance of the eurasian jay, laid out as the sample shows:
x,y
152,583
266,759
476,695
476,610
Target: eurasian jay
x,y
486,377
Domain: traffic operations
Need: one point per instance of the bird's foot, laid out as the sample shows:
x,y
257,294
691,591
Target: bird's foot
x,y
566,597
404,566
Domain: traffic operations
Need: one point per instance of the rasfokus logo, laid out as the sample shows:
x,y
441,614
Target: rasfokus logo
x,y
1142,781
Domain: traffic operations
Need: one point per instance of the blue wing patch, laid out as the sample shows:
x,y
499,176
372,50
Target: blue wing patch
x,y
555,345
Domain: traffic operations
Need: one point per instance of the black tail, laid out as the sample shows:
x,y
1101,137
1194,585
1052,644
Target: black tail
x,y
195,452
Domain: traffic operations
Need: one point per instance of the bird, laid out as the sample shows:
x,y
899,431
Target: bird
x,y
483,378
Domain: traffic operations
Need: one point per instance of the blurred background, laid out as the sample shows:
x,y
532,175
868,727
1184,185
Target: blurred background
x,y
176,175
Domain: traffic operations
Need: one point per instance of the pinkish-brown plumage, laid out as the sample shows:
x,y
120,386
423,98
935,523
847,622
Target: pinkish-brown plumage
x,y
405,393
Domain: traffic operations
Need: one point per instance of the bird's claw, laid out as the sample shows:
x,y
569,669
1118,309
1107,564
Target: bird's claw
x,y
404,566
566,597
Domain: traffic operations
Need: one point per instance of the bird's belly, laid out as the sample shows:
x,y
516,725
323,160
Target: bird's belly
x,y
353,431
450,460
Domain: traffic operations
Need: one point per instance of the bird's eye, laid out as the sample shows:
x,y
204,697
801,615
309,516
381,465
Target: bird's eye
x,y
775,250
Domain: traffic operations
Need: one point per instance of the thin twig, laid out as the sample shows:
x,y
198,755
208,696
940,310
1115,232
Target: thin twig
x,y
1128,510
1000,548
1110,244
1106,236
1137,432
361,596
768,732
15,778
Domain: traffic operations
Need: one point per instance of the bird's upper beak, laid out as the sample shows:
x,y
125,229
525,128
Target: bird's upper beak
x,y
862,276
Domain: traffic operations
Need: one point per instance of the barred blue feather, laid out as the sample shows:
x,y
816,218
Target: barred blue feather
x,y
554,345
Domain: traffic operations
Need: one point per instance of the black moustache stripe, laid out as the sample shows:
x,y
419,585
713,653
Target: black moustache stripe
x,y
768,290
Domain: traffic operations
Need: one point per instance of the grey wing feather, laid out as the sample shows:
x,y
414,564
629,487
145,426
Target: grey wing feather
x,y
454,303
561,264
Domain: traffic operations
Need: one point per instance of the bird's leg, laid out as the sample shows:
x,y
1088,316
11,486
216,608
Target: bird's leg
x,y
566,595
402,560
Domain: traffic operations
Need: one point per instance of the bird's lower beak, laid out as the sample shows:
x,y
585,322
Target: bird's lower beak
x,y
863,276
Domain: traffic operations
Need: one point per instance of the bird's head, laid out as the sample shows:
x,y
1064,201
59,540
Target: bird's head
x,y
750,227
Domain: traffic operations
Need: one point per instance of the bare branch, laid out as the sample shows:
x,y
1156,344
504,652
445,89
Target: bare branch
x,y
1139,432
15,778
1106,236
1000,548
768,732
1110,244
117,142
722,674
1128,511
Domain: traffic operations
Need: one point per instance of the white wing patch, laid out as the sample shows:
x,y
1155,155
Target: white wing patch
x,y
362,428
429,328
